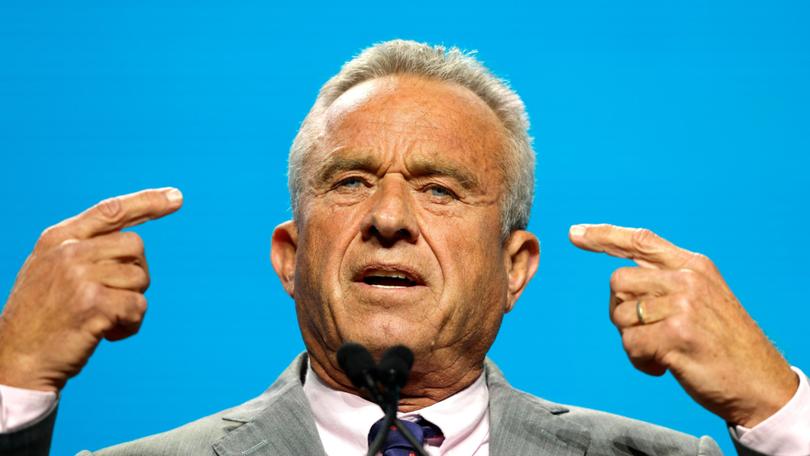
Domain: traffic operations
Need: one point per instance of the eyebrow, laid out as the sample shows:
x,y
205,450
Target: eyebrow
x,y
418,167
424,168
338,165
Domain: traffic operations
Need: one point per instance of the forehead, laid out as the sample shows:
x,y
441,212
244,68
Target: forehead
x,y
416,117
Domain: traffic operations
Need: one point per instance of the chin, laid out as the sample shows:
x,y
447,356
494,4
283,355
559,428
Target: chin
x,y
378,334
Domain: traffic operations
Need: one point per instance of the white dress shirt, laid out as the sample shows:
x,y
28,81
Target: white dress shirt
x,y
786,432
343,420
22,407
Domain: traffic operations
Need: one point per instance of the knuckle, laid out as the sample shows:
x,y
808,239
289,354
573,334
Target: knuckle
x,y
146,281
49,234
619,316
100,324
703,262
133,241
669,358
86,308
76,273
701,259
618,278
642,238
689,279
131,311
89,294
681,303
137,276
68,250
110,209
679,330
614,316
139,305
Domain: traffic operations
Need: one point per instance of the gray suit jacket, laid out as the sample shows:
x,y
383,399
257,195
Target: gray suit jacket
x,y
280,422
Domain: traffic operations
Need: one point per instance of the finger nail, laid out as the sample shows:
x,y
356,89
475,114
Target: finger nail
x,y
174,195
576,230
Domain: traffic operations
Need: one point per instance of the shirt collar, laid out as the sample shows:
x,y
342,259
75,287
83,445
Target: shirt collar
x,y
348,418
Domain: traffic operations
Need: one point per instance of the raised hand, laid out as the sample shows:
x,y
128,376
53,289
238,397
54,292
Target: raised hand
x,y
84,281
676,312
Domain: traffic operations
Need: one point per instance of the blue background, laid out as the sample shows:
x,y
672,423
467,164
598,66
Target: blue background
x,y
689,118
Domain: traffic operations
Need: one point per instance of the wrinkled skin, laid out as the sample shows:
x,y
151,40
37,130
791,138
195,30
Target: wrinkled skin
x,y
83,282
406,181
693,325
376,198
397,240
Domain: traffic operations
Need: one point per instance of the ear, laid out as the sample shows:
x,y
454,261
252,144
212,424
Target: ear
x,y
282,254
522,258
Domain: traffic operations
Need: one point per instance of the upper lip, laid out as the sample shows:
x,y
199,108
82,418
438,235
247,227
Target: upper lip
x,y
389,270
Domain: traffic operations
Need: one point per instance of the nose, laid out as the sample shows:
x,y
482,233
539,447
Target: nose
x,y
391,216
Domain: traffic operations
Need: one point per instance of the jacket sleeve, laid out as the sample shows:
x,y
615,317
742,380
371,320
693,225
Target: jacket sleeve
x,y
708,447
33,440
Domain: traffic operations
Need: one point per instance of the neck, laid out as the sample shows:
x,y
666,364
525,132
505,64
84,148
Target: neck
x,y
430,381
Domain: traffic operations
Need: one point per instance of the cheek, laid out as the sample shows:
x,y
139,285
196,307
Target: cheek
x,y
474,261
317,292
475,296
476,241
321,244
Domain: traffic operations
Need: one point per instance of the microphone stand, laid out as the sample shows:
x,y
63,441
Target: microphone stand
x,y
390,409
382,435
357,363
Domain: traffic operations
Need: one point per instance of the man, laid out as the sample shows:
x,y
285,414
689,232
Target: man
x,y
411,182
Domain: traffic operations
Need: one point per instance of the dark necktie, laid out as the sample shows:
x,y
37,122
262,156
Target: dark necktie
x,y
396,444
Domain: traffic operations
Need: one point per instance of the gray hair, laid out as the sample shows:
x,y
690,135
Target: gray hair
x,y
437,63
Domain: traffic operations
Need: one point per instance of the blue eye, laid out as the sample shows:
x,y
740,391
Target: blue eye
x,y
351,182
440,192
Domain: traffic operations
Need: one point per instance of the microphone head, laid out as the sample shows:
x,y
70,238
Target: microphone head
x,y
395,366
355,360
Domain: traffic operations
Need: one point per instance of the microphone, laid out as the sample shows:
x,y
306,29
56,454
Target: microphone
x,y
395,367
392,374
359,366
356,362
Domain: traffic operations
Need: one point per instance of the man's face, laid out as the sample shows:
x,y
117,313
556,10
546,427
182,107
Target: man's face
x,y
398,234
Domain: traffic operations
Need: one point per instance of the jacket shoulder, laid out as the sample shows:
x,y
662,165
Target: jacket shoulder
x,y
628,436
195,437
201,436
521,419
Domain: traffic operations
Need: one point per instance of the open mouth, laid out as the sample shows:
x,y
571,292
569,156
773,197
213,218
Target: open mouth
x,y
388,281
389,277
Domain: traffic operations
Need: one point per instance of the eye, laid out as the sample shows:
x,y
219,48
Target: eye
x,y
350,183
439,191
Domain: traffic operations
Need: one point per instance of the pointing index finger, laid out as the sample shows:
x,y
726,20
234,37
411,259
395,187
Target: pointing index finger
x,y
121,212
641,245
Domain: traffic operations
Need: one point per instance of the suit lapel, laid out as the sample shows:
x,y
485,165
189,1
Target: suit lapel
x,y
521,424
279,422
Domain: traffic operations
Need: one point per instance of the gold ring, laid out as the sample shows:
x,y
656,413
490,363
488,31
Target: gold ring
x,y
640,312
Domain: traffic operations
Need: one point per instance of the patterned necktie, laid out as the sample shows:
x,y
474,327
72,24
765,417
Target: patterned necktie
x,y
395,443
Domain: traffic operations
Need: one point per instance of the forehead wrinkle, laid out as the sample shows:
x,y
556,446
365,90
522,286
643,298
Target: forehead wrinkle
x,y
403,116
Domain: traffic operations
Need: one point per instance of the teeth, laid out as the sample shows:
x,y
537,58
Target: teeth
x,y
391,275
388,279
